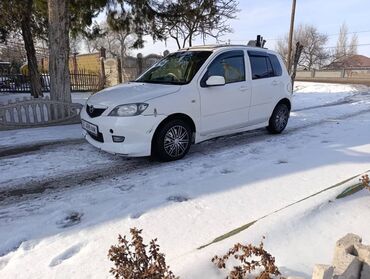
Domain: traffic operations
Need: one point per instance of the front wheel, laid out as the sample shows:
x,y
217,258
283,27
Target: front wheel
x,y
172,141
279,119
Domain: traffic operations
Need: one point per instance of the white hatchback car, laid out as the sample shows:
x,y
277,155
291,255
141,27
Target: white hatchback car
x,y
190,96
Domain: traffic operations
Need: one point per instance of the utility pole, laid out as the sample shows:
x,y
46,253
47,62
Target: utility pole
x,y
289,62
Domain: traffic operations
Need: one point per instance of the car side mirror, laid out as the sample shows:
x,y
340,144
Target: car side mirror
x,y
215,81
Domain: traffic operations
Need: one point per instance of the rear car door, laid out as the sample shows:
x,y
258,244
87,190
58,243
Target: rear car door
x,y
225,107
266,84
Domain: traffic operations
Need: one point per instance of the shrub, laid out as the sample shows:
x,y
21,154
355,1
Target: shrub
x,y
243,253
133,261
365,181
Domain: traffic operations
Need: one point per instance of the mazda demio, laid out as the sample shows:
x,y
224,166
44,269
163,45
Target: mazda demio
x,y
190,96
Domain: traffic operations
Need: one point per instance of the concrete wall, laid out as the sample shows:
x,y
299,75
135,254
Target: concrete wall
x,y
357,73
351,260
304,74
328,74
357,76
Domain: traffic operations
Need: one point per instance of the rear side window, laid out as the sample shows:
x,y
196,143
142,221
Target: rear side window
x,y
264,65
275,65
230,65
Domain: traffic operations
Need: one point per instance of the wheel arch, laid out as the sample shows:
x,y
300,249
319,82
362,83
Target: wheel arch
x,y
177,116
285,101
271,126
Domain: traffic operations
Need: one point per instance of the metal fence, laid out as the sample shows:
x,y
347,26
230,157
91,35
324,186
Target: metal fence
x,y
85,81
19,83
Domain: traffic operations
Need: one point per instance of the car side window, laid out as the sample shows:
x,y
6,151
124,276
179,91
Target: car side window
x,y
278,71
264,65
261,67
230,65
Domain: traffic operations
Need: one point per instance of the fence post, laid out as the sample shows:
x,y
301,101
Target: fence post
x,y
139,63
102,52
343,73
102,74
74,61
102,69
119,70
313,73
42,65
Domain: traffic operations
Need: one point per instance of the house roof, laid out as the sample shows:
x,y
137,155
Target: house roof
x,y
354,61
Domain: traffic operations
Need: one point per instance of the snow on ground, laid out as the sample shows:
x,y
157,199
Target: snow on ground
x,y
21,137
65,231
319,94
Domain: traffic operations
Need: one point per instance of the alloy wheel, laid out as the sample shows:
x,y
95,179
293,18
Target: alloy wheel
x,y
281,118
176,141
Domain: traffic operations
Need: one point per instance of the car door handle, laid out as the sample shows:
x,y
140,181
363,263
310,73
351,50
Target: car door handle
x,y
243,88
274,83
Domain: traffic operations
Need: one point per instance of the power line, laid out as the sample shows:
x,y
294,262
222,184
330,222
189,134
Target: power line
x,y
366,44
353,45
329,35
354,32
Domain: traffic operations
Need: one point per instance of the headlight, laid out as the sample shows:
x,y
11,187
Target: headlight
x,y
128,109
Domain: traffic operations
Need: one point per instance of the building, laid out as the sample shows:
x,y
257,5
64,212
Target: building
x,y
350,62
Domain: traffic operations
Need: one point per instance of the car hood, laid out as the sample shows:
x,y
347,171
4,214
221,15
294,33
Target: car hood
x,y
133,92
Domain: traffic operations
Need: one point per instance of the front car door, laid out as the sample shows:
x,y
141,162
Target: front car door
x,y
225,107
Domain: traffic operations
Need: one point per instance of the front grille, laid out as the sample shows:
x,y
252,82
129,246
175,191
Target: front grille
x,y
98,137
94,112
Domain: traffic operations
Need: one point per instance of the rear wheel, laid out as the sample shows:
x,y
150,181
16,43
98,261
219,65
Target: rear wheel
x,y
279,119
172,141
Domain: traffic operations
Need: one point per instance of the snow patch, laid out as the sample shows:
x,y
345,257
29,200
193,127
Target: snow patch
x,y
67,254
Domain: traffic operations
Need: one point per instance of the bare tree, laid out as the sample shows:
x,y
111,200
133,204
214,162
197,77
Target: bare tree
x,y
75,43
193,18
89,45
342,48
59,25
345,49
314,55
117,43
13,51
126,42
352,48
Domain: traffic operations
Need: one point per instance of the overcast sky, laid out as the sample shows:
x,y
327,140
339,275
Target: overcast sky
x,y
271,19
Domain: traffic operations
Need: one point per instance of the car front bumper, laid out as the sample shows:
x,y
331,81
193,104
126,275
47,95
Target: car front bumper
x,y
138,132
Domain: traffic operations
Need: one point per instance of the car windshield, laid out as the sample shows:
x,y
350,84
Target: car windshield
x,y
176,68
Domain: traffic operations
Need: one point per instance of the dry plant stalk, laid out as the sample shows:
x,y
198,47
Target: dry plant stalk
x,y
243,253
365,181
132,261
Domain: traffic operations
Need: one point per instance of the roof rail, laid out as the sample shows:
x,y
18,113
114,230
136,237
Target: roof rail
x,y
259,43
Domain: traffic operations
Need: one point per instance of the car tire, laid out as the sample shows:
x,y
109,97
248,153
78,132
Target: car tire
x,y
172,141
279,119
